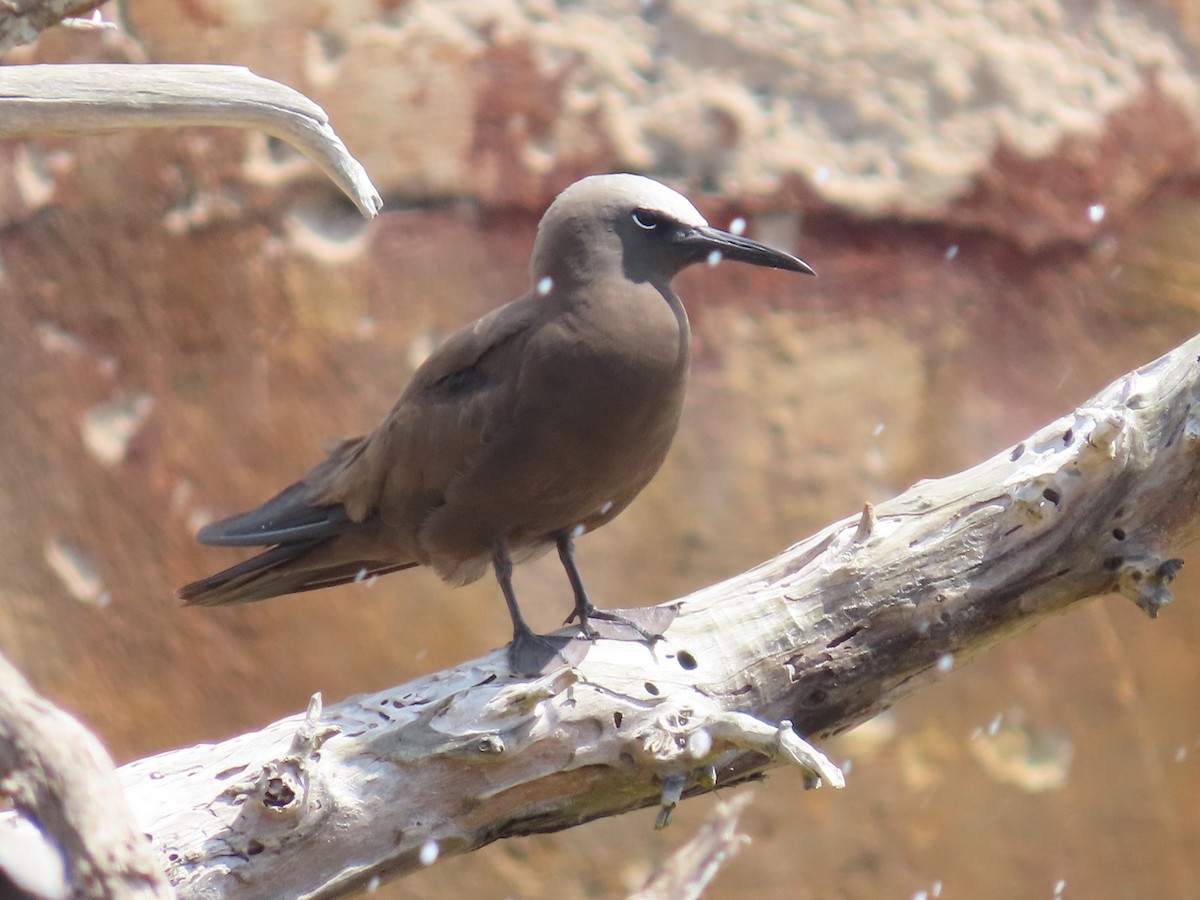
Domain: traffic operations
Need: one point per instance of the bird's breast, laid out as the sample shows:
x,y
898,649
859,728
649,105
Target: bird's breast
x,y
600,400
586,424
618,366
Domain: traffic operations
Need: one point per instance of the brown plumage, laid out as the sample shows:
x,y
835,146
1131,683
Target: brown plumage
x,y
540,421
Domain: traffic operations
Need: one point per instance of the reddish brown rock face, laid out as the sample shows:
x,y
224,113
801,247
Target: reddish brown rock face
x,y
184,319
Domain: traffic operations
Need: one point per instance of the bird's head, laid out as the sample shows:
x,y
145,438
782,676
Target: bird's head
x,y
605,225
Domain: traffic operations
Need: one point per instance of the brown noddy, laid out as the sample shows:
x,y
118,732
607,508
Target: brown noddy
x,y
538,422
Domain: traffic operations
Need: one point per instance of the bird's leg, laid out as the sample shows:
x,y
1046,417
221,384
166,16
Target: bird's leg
x,y
584,608
502,563
528,653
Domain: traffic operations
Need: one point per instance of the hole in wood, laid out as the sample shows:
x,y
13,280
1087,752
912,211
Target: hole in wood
x,y
842,638
651,689
1052,495
1119,534
278,794
687,660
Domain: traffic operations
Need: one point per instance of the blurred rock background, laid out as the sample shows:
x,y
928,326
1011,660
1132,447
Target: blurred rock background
x,y
1003,203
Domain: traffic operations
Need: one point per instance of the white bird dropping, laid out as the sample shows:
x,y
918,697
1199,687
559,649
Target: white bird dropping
x,y
544,286
737,226
714,257
429,852
1096,213
945,662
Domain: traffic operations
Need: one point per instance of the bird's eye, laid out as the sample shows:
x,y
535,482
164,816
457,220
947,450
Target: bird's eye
x,y
646,219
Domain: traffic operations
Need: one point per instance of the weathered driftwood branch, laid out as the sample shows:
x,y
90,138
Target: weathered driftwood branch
x,y
70,832
90,99
690,869
826,635
22,20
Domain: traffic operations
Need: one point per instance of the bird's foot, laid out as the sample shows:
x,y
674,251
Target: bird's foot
x,y
533,654
586,629
648,623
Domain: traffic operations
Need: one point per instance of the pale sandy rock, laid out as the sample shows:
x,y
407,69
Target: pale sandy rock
x,y
889,107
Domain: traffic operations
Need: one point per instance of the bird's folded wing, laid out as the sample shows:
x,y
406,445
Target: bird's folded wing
x,y
287,518
456,399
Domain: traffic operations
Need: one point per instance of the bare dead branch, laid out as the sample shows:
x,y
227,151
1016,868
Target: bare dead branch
x,y
22,20
90,99
694,865
829,633
64,790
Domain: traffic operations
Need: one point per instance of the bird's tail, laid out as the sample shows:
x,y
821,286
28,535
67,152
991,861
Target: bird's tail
x,y
286,569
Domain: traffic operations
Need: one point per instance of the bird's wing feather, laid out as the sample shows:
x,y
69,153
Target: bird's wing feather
x,y
287,517
438,423
436,427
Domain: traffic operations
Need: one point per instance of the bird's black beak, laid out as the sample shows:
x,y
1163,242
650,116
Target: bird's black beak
x,y
707,240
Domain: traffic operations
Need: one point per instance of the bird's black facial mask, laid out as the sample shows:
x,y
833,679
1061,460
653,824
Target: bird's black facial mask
x,y
648,248
656,245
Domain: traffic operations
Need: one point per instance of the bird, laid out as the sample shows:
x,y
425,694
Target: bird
x,y
537,423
